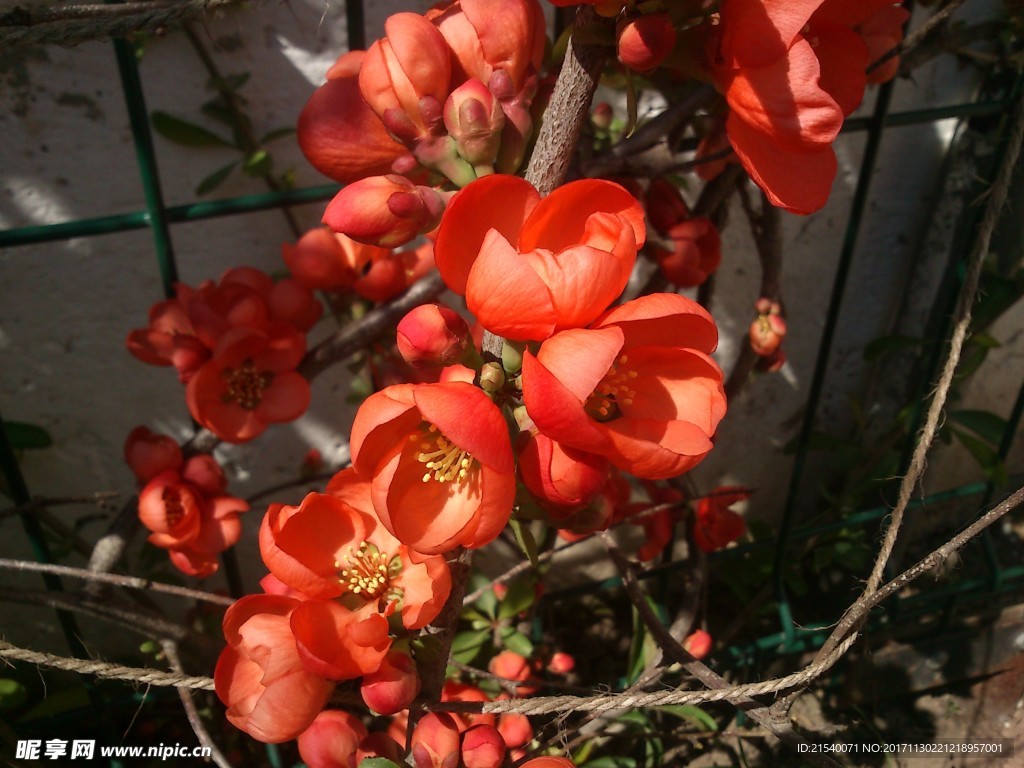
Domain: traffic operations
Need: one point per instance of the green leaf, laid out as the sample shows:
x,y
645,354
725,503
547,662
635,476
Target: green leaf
x,y
984,424
691,714
12,694
516,641
185,133
215,179
525,540
377,762
612,761
467,645
258,163
520,597
277,133
216,110
487,603
984,454
24,436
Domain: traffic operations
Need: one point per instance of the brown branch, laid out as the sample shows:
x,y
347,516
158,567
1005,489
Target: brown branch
x,y
918,36
570,102
71,25
673,650
132,582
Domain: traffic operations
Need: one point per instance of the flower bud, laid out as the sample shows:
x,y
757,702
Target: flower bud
x,y
393,686
768,329
602,116
483,747
513,666
332,740
432,336
474,118
515,729
384,210
435,741
698,643
561,663
562,479
644,42
149,454
405,74
379,744
492,377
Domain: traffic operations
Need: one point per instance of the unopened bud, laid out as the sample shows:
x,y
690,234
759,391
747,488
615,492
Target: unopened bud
x,y
698,644
645,41
483,747
492,377
432,336
393,686
474,118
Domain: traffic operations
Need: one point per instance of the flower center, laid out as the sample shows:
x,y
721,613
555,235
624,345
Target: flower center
x,y
174,509
365,571
613,390
245,385
445,460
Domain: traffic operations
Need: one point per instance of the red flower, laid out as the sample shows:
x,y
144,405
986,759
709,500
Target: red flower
x,y
250,382
696,253
562,479
384,210
637,386
530,267
338,132
393,686
715,525
432,336
260,677
332,546
149,454
332,740
406,75
187,512
440,462
643,42
790,72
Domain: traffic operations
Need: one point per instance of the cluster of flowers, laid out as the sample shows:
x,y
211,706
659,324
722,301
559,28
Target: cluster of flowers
x,y
235,344
442,99
182,502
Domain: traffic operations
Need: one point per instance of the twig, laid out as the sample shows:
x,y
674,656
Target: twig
x,y
132,582
673,650
72,25
917,37
766,229
170,649
563,120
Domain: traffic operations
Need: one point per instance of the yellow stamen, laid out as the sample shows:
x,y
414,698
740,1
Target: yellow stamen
x,y
444,460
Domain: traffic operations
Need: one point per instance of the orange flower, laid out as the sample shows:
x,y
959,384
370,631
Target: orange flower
x,y
790,71
696,252
637,386
338,643
384,210
530,267
715,525
332,740
440,461
326,260
188,513
338,132
249,382
332,546
562,479
405,76
149,454
260,677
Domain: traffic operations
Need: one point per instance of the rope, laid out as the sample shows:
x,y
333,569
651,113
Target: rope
x,y
105,670
536,706
72,25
